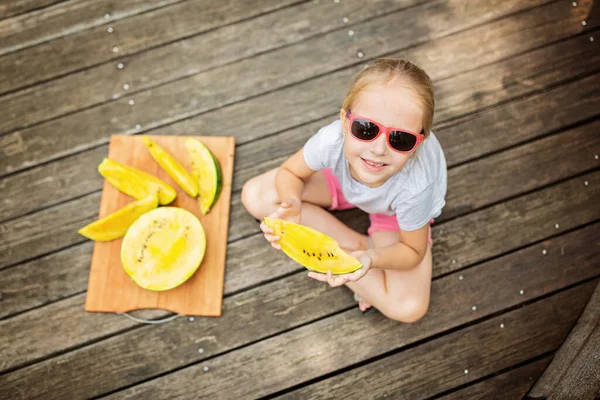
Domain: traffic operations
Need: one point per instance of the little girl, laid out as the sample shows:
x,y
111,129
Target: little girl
x,y
381,157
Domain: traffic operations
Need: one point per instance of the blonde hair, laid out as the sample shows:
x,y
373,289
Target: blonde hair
x,y
386,70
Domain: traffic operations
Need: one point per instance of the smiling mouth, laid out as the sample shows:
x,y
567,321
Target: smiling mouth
x,y
373,165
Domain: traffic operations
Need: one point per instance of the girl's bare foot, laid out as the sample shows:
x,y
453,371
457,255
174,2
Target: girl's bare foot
x,y
362,304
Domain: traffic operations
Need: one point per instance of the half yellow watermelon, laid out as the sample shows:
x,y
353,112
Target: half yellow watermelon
x,y
163,248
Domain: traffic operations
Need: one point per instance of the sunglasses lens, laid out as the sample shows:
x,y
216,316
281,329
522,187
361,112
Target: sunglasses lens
x,y
402,141
364,130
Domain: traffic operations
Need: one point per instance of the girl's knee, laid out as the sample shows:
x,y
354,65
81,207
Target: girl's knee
x,y
408,309
258,197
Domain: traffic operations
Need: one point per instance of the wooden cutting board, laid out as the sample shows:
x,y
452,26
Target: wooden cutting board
x,y
110,289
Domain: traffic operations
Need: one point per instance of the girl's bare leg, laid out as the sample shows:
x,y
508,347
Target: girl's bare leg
x,y
399,295
261,199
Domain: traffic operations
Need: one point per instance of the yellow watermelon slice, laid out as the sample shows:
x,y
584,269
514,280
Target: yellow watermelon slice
x,y
206,170
172,167
135,182
115,225
311,248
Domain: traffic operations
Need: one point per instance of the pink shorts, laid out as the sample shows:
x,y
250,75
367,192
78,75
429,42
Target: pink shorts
x,y
379,222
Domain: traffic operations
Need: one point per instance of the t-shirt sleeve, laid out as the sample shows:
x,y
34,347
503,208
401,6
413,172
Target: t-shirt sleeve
x,y
417,210
321,149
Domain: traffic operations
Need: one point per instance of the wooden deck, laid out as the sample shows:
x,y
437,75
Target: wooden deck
x,y
516,251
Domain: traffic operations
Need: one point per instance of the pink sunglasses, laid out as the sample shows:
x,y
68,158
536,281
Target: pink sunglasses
x,y
399,140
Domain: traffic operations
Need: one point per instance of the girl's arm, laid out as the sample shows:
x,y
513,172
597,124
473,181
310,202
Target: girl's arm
x,y
291,177
404,255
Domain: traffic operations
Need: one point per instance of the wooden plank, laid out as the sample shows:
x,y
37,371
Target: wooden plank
x,y
459,357
573,373
132,35
513,384
68,18
9,8
164,64
532,166
31,285
283,304
21,349
18,236
257,157
65,179
168,103
529,164
461,244
478,134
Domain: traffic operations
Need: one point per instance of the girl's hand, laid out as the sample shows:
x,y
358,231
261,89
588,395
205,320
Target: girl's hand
x,y
289,210
338,280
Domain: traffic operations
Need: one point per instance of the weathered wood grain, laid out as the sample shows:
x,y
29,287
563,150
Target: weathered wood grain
x,y
482,182
485,132
296,357
513,384
481,133
23,341
45,232
9,8
293,301
134,34
284,304
200,93
67,18
45,280
573,373
37,282
160,65
467,240
439,365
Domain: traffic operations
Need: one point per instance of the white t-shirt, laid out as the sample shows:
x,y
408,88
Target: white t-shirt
x,y
415,194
